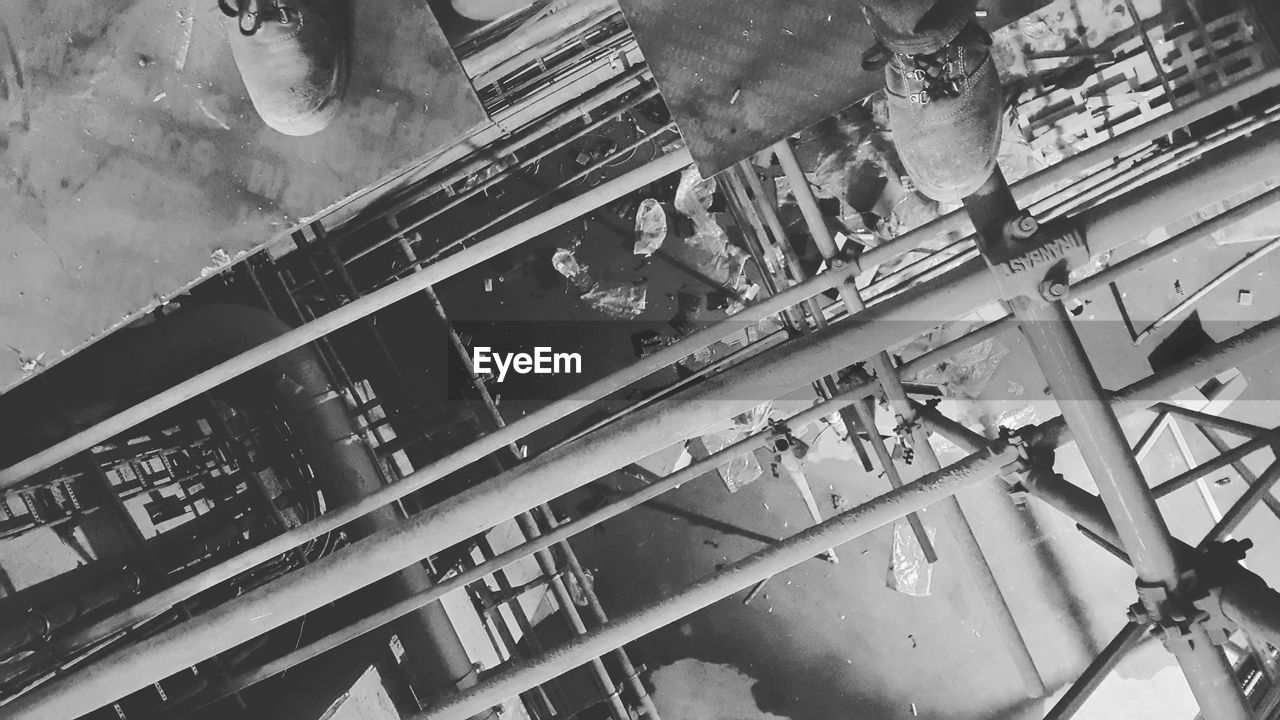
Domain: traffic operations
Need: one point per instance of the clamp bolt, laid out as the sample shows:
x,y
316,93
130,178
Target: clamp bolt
x,y
1053,290
1021,228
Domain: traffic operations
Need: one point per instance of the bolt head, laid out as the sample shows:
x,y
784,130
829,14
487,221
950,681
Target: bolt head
x,y
1023,227
1053,290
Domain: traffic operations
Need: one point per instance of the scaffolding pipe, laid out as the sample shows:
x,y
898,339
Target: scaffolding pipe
x,y
560,17
560,534
737,576
1241,468
1209,467
1234,515
345,315
613,697
1245,598
1071,377
1089,681
964,290
1216,422
1251,344
547,125
476,509
965,542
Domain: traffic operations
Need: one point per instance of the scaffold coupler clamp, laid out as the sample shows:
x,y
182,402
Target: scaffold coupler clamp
x,y
1035,261
785,444
1174,612
1029,458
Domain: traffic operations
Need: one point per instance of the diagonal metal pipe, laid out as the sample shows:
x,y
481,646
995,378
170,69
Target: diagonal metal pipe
x,y
983,464
965,542
1235,168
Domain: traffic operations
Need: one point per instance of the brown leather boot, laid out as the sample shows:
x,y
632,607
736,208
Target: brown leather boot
x,y
293,60
945,109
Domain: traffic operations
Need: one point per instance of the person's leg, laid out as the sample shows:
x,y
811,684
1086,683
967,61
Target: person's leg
x,y
918,26
943,92
292,56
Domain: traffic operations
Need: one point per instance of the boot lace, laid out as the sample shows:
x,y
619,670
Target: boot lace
x,y
252,14
940,73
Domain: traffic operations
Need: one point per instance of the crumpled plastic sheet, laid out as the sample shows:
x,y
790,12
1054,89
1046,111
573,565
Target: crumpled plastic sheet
x,y
619,301
909,572
708,249
576,273
966,374
576,592
744,470
651,227
694,195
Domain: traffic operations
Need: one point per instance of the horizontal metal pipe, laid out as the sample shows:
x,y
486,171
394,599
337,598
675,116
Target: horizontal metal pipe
x,y
478,508
1208,467
345,315
560,534
1180,242
970,281
738,576
1217,422
561,16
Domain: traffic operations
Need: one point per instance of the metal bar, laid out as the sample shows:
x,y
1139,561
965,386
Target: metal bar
x,y
529,527
1250,345
631,675
561,533
552,474
1183,240
1232,518
1143,532
559,17
736,577
342,316
960,292
1245,598
1209,287
965,542
1151,52
1221,446
1089,681
1212,466
426,187
551,194
1217,422
570,611
1202,486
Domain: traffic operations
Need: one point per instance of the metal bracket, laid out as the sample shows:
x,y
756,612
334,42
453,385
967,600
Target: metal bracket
x,y
785,444
1030,459
1174,612
1034,261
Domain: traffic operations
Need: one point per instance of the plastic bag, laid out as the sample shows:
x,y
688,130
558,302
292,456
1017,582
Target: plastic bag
x,y
651,227
909,572
743,470
621,301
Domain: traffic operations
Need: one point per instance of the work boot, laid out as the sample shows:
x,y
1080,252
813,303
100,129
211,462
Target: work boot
x,y
293,60
945,105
